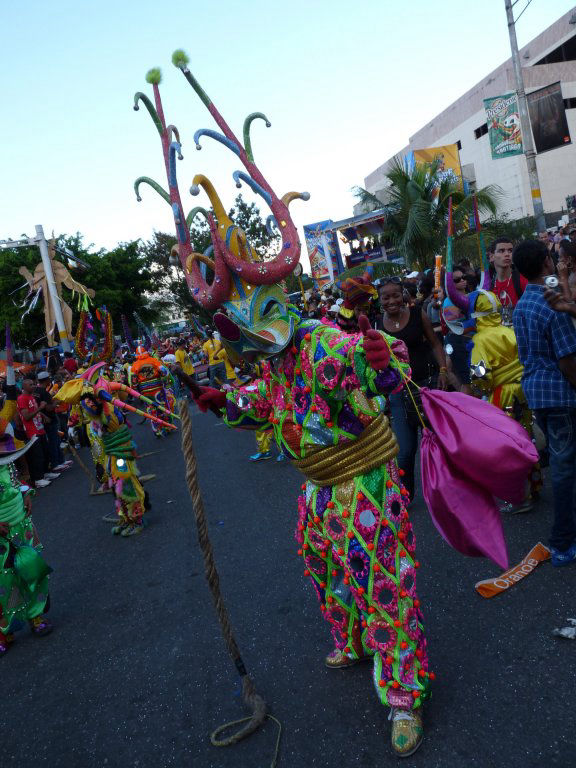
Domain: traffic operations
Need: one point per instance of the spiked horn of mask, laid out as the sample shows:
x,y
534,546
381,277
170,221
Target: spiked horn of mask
x,y
243,283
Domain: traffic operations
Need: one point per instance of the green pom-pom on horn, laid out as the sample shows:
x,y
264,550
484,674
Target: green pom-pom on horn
x,y
154,76
180,59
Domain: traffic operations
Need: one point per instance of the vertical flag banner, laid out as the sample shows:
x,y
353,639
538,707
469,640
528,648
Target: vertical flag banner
x,y
504,129
449,161
323,251
548,118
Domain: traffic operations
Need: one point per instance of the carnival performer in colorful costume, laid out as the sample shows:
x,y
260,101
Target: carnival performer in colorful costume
x,y
105,412
322,391
88,348
151,378
23,571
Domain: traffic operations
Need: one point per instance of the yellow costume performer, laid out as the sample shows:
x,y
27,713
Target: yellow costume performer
x,y
496,370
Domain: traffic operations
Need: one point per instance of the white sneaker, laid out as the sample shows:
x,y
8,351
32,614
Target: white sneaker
x,y
42,483
51,475
61,467
63,445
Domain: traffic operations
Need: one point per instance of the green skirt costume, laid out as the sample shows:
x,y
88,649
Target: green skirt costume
x,y
23,571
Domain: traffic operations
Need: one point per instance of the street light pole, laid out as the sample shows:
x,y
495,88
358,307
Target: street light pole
x,y
52,290
525,123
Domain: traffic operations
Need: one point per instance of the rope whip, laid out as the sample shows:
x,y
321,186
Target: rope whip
x,y
251,698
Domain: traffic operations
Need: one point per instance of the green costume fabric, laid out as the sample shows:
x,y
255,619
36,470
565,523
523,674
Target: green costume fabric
x,y
23,571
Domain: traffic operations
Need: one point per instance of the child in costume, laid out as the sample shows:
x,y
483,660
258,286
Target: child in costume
x,y
264,434
23,571
264,437
322,392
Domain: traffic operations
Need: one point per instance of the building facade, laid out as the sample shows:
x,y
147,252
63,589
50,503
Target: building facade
x,y
548,59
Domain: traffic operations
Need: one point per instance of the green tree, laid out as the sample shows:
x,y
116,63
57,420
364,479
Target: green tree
x,y
124,284
169,278
466,245
247,217
417,210
121,279
13,289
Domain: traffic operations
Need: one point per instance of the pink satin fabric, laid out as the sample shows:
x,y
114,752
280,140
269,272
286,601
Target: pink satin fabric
x,y
466,516
475,452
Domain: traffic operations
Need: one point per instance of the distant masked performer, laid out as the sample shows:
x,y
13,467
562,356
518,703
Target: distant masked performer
x,y
152,379
105,412
359,297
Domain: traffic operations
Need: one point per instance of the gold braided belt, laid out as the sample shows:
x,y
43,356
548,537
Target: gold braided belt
x,y
337,464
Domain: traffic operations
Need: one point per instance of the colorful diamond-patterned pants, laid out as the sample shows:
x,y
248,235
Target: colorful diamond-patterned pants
x,y
359,551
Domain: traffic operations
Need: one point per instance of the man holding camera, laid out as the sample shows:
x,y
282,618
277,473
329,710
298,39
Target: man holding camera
x,y
547,349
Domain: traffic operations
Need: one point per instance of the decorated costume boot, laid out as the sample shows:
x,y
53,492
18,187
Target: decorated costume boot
x,y
119,527
338,659
5,643
41,626
407,730
132,529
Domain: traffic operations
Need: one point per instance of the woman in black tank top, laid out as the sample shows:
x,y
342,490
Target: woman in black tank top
x,y
413,327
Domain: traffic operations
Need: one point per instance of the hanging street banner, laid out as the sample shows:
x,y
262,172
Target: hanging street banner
x,y
323,251
504,130
548,118
449,161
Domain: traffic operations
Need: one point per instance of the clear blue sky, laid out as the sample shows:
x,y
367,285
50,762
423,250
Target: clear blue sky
x,y
344,83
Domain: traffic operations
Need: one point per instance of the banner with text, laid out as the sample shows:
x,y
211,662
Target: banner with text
x,y
323,251
504,130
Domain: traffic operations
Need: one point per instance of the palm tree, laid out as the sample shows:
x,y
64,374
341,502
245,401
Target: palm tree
x,y
417,211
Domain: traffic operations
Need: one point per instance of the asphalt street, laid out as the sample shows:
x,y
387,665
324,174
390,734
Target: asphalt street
x,y
136,672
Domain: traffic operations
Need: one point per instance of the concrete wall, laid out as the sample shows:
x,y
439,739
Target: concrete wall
x,y
556,168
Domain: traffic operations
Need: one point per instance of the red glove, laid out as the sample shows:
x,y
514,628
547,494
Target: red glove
x,y
375,348
210,398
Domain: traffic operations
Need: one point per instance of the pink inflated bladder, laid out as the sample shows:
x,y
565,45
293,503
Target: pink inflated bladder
x,y
473,454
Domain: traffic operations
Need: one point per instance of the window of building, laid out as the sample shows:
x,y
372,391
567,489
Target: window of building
x,y
459,144
564,52
481,131
570,103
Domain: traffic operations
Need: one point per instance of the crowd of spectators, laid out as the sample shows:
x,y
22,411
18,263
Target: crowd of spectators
x,y
410,307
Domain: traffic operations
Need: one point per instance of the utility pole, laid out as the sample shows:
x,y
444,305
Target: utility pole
x,y
52,290
525,123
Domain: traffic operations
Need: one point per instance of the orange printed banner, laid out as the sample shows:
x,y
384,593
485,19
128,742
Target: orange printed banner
x,y
493,587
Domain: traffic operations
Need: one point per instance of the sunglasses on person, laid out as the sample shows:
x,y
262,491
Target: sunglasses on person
x,y
394,280
460,279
